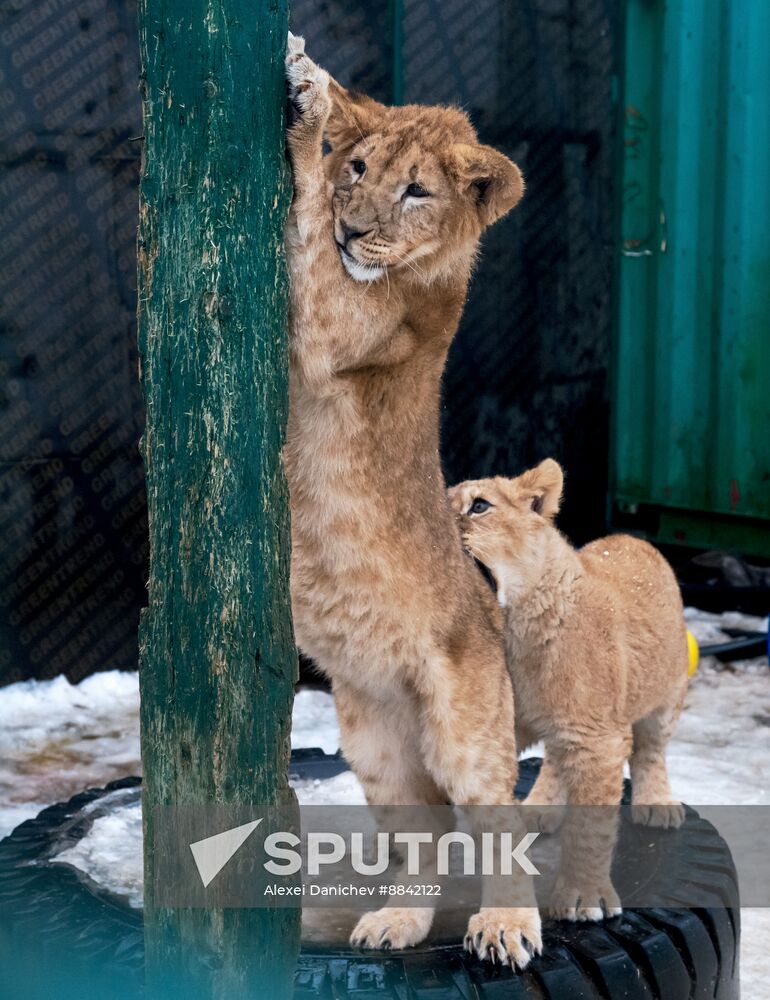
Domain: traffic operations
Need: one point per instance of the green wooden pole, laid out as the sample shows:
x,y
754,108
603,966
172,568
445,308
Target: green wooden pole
x,y
218,660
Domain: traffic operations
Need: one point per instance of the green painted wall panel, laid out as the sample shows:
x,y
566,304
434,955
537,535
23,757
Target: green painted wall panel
x,y
692,379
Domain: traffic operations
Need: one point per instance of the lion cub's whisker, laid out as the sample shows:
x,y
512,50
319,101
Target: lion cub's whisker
x,y
409,263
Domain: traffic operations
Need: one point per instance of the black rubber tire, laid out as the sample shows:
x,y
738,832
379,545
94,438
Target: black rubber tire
x,y
54,928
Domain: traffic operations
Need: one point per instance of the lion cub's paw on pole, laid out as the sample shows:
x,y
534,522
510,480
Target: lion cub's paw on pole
x,y
505,935
308,83
392,927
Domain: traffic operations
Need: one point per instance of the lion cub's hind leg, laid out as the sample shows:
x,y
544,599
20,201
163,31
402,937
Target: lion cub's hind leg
x,y
382,747
545,802
469,746
652,802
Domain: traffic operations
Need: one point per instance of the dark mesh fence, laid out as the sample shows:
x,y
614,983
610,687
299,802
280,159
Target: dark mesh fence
x,y
72,512
527,375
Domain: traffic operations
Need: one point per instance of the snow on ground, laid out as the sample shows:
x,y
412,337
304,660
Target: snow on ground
x,y
56,739
342,789
720,753
314,721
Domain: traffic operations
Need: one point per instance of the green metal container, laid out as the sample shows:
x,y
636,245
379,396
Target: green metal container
x,y
691,438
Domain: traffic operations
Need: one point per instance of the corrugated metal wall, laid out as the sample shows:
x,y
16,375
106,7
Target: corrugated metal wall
x,y
692,392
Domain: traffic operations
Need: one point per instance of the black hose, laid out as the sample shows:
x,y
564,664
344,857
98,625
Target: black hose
x,y
747,645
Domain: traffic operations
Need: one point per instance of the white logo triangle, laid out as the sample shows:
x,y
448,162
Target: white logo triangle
x,y
212,854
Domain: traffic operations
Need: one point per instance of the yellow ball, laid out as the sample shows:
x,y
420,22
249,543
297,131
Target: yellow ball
x,y
693,653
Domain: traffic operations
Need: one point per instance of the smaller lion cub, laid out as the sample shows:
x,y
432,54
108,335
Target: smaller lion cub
x,y
597,651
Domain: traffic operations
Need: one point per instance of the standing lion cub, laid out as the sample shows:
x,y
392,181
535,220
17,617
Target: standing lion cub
x,y
380,241
597,650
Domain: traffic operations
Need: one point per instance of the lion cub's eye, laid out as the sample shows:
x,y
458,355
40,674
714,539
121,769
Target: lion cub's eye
x,y
358,167
479,505
415,191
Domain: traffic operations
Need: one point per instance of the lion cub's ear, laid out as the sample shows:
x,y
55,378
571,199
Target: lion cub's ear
x,y
353,117
494,181
542,485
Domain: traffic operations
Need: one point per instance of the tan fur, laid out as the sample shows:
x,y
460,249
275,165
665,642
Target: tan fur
x,y
597,650
384,598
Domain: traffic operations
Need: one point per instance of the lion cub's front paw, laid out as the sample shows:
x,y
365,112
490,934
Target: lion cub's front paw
x,y
544,819
392,927
668,815
571,902
308,83
508,935
295,45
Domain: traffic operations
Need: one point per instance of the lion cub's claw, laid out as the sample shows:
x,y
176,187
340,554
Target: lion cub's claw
x,y
392,927
590,904
508,936
308,83
295,45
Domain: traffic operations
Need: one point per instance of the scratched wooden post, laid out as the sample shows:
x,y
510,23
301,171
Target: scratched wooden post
x,y
218,660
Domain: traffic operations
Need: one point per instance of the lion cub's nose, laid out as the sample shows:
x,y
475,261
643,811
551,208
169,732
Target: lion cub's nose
x,y
348,234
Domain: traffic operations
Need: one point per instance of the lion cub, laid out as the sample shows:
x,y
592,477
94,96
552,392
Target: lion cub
x,y
597,650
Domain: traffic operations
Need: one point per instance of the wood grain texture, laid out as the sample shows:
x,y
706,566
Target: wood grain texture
x,y
218,659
